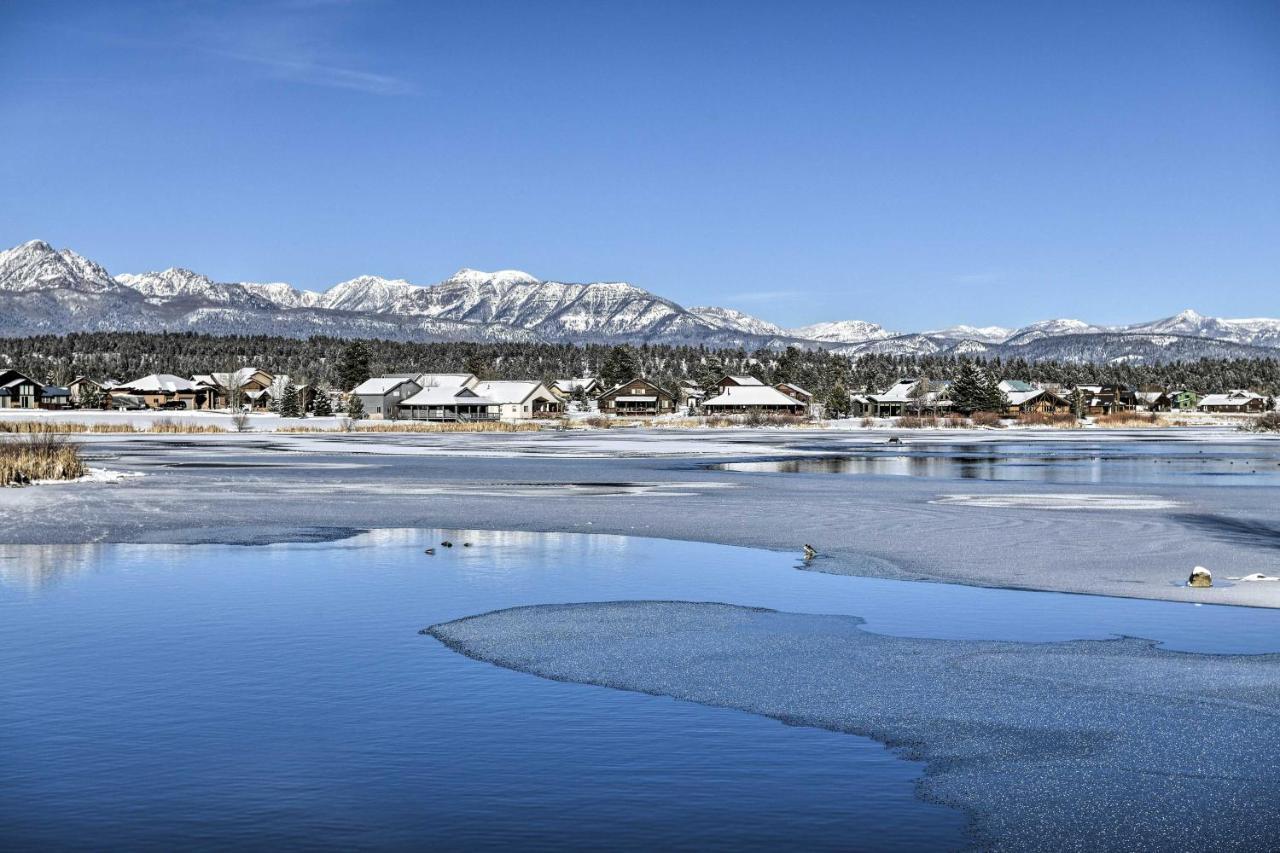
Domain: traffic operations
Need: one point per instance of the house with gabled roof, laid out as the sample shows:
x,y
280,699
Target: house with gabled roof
x,y
245,386
381,396
637,398
456,403
1235,400
520,400
731,381
740,399
18,390
795,391
566,389
163,390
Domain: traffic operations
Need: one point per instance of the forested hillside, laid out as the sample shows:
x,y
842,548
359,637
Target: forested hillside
x,y
127,355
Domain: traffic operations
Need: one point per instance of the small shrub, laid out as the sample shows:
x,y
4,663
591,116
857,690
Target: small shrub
x,y
1061,420
916,422
986,419
166,425
1127,419
1268,422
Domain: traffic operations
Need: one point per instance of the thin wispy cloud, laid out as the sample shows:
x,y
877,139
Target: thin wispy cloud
x,y
316,73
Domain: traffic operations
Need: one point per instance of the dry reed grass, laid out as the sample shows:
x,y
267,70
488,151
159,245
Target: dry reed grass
x,y
1060,420
39,456
1128,419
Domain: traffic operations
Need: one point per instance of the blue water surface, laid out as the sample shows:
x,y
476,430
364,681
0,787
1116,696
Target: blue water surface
x,y
226,696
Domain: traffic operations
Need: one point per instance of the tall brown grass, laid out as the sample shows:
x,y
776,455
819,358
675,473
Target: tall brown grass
x,y
1061,420
39,456
170,426
1128,419
986,419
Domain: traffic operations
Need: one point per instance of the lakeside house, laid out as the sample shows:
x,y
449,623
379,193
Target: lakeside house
x,y
520,400
743,399
55,397
19,391
911,396
637,398
82,386
1026,398
381,396
1236,400
247,386
795,392
1108,399
567,389
690,395
449,403
731,381
161,391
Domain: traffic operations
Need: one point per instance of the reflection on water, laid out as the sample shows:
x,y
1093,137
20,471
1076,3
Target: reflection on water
x,y
281,695
1252,465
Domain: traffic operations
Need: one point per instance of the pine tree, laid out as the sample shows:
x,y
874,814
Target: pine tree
x,y
968,391
620,365
353,365
290,406
838,403
91,397
355,407
993,399
322,408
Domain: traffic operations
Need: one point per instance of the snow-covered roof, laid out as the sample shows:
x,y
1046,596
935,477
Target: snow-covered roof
x,y
744,380
587,384
161,383
1015,386
235,379
1235,397
441,396
795,387
1017,398
750,395
899,393
508,392
379,385
446,380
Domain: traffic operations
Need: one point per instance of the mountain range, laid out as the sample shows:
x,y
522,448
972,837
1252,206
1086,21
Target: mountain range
x,y
44,290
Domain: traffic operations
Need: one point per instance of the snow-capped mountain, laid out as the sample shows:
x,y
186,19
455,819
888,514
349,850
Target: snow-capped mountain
x,y
982,334
843,332
1258,331
37,266
1052,328
284,295
174,283
736,321
47,291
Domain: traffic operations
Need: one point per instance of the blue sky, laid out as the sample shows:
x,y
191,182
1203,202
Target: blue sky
x,y
913,163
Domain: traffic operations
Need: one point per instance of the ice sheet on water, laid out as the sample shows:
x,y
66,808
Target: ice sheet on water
x,y
1083,745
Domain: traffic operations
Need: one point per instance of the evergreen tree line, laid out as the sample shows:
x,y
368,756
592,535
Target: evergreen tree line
x,y
339,363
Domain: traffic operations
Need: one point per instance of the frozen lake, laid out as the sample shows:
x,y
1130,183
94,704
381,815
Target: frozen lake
x,y
282,695
1081,462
